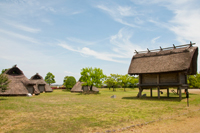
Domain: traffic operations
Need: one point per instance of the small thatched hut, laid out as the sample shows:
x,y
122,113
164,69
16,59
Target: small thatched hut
x,y
40,84
79,88
164,67
19,84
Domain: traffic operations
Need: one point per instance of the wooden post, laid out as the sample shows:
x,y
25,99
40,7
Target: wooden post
x,y
158,82
140,92
140,79
167,92
151,92
158,79
186,91
180,95
158,92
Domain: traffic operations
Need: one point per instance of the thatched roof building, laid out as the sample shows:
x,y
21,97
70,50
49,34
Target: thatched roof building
x,y
178,59
79,88
19,83
40,84
165,67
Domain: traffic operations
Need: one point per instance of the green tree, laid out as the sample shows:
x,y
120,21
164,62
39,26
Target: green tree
x,y
4,83
69,82
92,77
124,80
133,81
109,81
194,81
65,79
116,81
49,78
3,70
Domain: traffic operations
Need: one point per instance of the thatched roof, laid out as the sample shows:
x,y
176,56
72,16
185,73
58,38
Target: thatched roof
x,y
38,80
170,60
79,88
18,82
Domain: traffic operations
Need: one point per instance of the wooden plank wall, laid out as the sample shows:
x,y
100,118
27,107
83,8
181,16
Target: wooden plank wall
x,y
163,78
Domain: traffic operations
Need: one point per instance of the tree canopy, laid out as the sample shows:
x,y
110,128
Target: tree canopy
x,y
3,70
49,78
133,81
92,77
194,81
65,79
124,80
69,82
4,83
109,81
116,80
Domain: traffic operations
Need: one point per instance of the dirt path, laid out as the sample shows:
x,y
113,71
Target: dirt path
x,y
189,123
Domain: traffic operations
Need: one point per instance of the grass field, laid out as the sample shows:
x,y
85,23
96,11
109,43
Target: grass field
x,y
63,111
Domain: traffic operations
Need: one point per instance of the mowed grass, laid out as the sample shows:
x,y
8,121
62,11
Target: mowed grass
x,y
63,111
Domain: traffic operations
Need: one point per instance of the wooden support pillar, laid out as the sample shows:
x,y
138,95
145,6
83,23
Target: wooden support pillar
x,y
177,90
140,92
158,82
158,92
167,92
151,92
180,94
186,91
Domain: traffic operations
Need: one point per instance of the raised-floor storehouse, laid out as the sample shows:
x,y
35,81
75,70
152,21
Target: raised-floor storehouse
x,y
164,68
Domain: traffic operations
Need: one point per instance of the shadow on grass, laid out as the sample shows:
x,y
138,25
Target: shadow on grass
x,y
192,94
162,98
66,90
1,99
89,93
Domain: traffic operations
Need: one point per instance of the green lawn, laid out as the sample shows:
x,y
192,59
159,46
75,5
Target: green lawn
x,y
62,111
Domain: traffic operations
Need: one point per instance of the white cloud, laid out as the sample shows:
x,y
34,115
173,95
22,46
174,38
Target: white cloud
x,y
72,39
19,36
122,43
51,9
88,52
121,47
126,11
118,13
154,39
23,27
77,12
186,19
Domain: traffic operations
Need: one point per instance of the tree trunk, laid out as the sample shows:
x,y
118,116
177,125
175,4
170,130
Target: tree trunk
x,y
109,88
91,87
124,89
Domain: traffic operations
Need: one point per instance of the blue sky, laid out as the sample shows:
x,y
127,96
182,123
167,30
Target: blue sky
x,y
64,36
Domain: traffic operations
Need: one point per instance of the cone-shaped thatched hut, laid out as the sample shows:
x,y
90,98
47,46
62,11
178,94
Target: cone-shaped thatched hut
x,y
164,67
19,84
79,88
40,84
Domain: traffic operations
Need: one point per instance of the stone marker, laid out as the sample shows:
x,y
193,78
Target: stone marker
x,y
144,95
114,96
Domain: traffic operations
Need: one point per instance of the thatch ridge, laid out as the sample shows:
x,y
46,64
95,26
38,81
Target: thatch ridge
x,y
177,59
79,88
